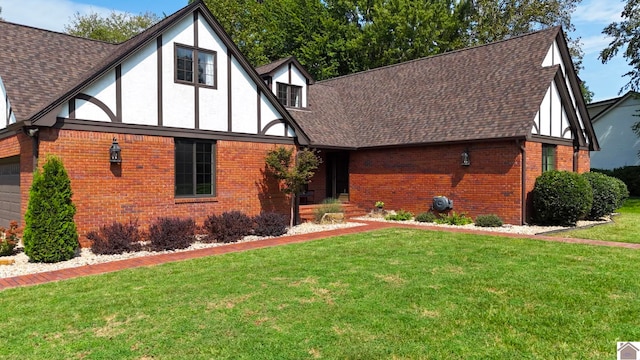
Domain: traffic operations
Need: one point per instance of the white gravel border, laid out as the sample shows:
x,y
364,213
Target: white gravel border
x,y
22,266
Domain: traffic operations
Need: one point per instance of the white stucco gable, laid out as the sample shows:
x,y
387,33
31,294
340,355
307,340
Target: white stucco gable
x,y
7,117
560,104
187,74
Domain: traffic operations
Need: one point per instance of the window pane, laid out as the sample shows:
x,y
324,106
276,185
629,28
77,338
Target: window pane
x,y
294,96
184,168
205,69
184,64
282,93
203,166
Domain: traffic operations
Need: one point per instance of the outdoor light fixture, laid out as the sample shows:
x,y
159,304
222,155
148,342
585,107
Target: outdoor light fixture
x,y
466,161
114,152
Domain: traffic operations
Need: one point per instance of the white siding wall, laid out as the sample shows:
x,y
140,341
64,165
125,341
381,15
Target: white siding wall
x,y
619,144
139,81
281,75
298,79
268,112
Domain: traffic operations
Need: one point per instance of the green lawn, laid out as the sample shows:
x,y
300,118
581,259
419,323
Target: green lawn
x,y
625,228
396,293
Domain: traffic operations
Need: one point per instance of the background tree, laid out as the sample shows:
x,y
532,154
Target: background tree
x,y
626,33
50,234
114,28
293,172
1,13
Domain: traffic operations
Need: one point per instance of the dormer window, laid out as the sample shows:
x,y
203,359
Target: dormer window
x,y
201,72
290,95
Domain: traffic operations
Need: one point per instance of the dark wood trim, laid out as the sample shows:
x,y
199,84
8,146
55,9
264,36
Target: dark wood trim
x,y
551,140
159,77
119,93
229,103
152,130
196,93
535,125
289,73
272,124
99,104
72,108
565,99
258,107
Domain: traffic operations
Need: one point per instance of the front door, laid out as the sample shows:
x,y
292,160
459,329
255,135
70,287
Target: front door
x,y
337,164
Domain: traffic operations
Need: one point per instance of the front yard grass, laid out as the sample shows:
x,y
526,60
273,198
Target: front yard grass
x,y
394,293
625,226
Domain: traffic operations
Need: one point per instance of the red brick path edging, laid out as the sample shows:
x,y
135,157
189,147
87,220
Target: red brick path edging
x,y
44,277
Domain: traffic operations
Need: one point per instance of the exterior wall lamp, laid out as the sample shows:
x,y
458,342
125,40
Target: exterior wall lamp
x,y
114,152
466,160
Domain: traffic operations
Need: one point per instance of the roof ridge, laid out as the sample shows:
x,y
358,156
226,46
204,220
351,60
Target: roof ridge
x,y
58,33
549,29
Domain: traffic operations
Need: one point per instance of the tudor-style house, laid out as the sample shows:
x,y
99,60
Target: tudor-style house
x,y
194,121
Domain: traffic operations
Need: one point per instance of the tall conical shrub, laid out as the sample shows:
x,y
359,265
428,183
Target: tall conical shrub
x,y
50,235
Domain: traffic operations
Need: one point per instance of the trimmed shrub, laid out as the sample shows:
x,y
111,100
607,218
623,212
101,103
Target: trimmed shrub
x,y
630,175
329,205
427,217
171,234
605,195
622,194
50,235
561,198
454,219
116,238
229,227
489,220
8,239
270,224
400,215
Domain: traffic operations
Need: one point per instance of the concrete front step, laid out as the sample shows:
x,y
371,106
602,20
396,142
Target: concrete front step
x,y
307,212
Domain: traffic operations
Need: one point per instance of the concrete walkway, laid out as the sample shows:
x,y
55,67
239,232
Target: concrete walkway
x,y
44,277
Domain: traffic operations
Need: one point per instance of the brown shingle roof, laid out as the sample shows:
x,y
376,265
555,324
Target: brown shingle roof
x,y
485,92
35,64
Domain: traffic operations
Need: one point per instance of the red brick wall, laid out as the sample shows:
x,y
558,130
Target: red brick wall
x,y
409,178
22,145
142,187
584,161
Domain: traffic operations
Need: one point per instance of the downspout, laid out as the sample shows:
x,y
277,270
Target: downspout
x,y
576,154
523,182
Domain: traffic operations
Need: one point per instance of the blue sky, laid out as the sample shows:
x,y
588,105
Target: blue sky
x,y
589,18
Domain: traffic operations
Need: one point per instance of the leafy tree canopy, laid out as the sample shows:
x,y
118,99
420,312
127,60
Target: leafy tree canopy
x,y
114,28
626,33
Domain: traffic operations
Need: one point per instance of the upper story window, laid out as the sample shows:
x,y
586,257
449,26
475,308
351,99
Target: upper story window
x,y
548,157
195,66
290,95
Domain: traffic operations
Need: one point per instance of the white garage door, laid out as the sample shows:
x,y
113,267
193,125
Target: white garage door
x,y
9,190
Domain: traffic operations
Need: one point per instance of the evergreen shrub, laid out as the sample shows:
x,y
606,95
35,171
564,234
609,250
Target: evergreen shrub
x,y
561,198
606,195
50,235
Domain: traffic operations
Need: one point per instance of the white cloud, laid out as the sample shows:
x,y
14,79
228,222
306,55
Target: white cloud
x,y
45,14
602,12
595,43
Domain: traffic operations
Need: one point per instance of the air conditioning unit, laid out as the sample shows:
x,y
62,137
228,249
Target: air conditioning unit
x,y
442,203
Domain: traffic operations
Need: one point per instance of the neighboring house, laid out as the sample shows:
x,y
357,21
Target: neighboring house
x,y
195,121
612,121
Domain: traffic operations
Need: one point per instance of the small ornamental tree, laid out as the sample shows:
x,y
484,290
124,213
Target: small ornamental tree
x,y
50,235
294,173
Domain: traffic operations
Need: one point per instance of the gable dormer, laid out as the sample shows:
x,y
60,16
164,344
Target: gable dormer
x,y
288,80
563,113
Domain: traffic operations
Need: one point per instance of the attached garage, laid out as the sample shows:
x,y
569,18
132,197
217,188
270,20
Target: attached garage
x,y
9,190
